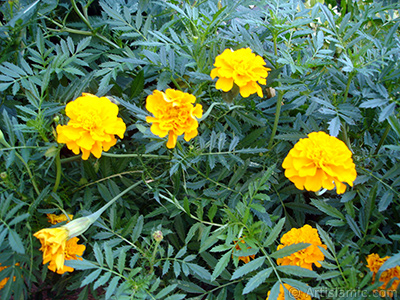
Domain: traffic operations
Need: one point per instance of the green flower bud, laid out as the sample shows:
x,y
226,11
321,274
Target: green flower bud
x,y
158,236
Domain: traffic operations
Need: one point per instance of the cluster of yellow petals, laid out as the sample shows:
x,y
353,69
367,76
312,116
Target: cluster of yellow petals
x,y
55,219
304,258
245,259
5,280
92,126
320,161
374,264
174,115
241,67
57,247
297,294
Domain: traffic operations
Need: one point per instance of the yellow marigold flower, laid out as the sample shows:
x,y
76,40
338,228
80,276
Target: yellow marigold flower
x,y
174,115
297,294
245,259
306,257
72,249
53,242
241,67
320,161
374,264
92,126
55,219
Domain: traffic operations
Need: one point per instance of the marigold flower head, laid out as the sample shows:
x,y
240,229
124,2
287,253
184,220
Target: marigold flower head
x,y
374,264
174,115
306,257
241,67
245,259
92,126
55,219
72,249
297,294
320,161
53,242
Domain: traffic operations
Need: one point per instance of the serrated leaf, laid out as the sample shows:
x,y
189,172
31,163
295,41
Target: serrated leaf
x,y
387,112
177,268
91,277
256,280
112,287
80,264
181,252
102,280
200,271
247,268
165,291
326,239
326,208
138,229
353,226
18,219
274,232
109,255
15,241
298,271
221,265
121,260
288,250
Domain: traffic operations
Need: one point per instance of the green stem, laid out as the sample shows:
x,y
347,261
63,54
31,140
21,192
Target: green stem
x,y
346,92
58,174
276,121
382,139
134,155
86,21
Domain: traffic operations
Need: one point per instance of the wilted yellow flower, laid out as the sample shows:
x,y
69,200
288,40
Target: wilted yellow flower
x,y
53,242
320,161
374,264
174,115
72,249
306,257
55,219
92,126
241,67
297,294
245,259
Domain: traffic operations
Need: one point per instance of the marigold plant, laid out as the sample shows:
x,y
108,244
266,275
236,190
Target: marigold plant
x,y
174,115
304,258
241,67
374,263
55,219
320,161
297,294
92,126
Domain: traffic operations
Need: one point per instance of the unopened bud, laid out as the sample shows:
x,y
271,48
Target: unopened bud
x,y
3,175
158,236
56,119
78,226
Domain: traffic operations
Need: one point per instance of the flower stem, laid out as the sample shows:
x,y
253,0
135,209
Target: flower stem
x,y
58,174
134,155
277,115
346,92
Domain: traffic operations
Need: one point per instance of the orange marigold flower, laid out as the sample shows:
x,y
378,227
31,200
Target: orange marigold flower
x,y
92,126
241,67
55,219
374,264
174,115
297,294
320,161
72,249
306,257
245,259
